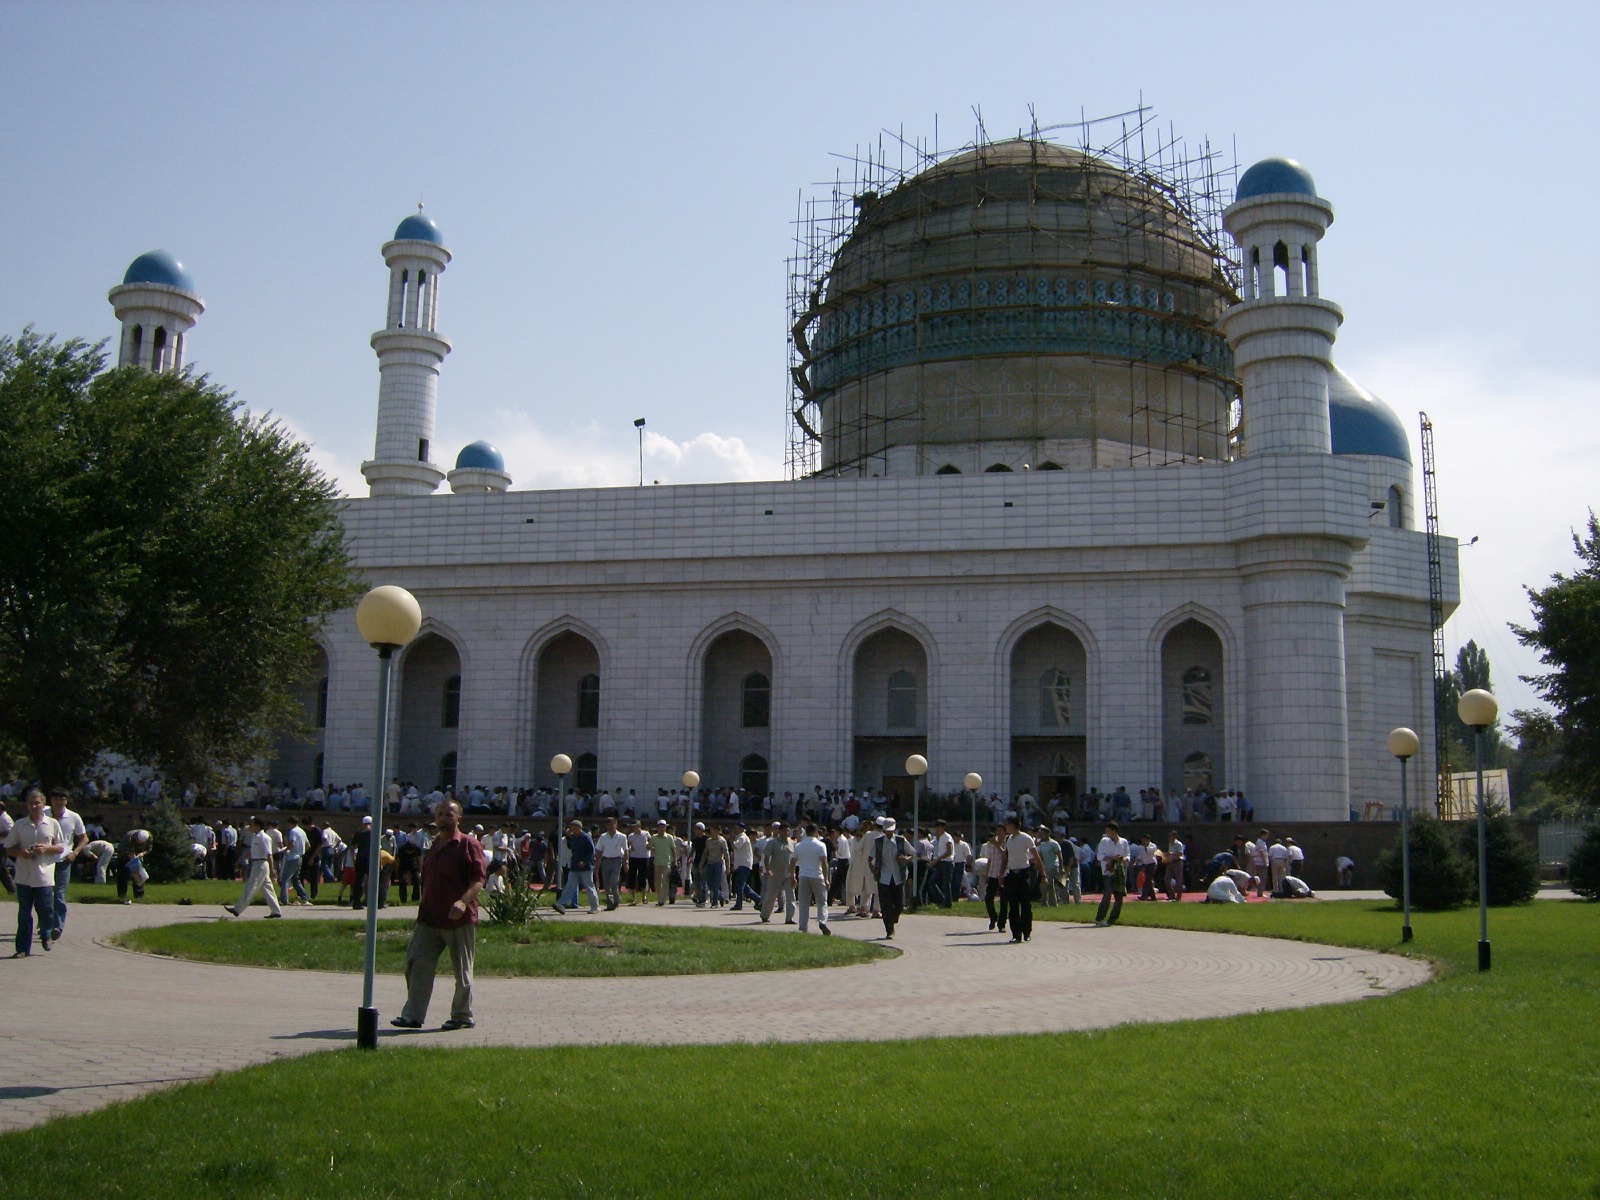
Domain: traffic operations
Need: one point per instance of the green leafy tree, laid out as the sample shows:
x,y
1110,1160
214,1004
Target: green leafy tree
x,y
1566,632
166,560
1511,861
170,858
1471,671
1583,869
1440,876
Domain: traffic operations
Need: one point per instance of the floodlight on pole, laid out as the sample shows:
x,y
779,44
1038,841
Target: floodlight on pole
x,y
1477,710
387,618
1403,743
638,424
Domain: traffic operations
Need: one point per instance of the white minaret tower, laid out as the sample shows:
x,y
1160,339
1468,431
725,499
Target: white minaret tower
x,y
409,353
157,305
1281,330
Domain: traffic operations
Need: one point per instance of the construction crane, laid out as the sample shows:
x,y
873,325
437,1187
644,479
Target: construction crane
x,y
1445,797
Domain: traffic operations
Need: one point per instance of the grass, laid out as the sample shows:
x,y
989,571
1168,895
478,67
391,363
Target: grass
x,y
193,891
552,948
1476,1085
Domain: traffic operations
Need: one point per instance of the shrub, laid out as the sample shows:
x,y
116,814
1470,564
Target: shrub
x,y
170,858
1583,869
516,905
1440,876
1512,864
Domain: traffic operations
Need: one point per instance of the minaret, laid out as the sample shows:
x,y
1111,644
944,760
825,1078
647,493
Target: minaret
x,y
1281,330
157,305
409,353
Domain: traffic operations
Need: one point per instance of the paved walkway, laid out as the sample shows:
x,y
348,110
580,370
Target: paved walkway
x,y
88,1024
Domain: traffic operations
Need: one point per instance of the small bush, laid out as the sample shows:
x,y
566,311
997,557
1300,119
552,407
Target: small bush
x,y
516,905
1440,876
1583,869
1511,862
170,858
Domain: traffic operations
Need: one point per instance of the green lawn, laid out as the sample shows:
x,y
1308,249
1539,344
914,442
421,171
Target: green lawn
x,y
194,891
1472,1086
556,947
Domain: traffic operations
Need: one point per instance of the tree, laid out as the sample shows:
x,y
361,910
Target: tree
x,y
1583,869
166,561
1471,671
1440,876
170,858
1566,632
1511,863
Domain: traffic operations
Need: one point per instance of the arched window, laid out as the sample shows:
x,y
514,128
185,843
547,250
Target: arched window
x,y
452,703
1197,771
158,349
902,700
1055,699
757,701
447,771
322,703
753,775
138,344
948,469
586,774
1197,697
589,702
997,469
1280,268
1397,507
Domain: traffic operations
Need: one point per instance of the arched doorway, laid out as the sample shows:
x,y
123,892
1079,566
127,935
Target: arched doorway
x,y
890,718
1193,734
567,710
430,711
1049,706
735,708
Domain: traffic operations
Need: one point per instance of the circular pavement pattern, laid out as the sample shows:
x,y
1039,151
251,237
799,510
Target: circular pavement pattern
x,y
111,1024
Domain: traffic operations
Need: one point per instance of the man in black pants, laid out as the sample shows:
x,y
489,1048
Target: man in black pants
x,y
891,859
1021,863
1112,855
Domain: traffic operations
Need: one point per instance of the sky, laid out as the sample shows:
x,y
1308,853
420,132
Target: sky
x,y
618,184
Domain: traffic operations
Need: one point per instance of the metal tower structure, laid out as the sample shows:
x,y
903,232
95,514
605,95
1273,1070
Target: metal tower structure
x,y
1430,498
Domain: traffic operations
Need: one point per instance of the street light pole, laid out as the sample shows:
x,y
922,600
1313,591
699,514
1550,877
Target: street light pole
x,y
974,781
691,780
916,767
1477,710
639,425
388,617
1403,743
561,764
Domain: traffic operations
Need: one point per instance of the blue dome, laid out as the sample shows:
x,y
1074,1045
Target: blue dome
x,y
480,456
1361,423
159,267
418,228
1272,175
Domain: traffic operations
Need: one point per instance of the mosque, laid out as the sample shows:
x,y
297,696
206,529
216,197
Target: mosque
x,y
1087,504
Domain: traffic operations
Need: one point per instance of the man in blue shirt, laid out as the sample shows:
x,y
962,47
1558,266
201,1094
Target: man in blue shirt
x,y
580,870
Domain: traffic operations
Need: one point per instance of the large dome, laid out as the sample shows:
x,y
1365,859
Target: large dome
x,y
1360,423
159,267
1029,300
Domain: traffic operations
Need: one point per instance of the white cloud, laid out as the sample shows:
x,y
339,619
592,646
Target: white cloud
x,y
1517,448
339,467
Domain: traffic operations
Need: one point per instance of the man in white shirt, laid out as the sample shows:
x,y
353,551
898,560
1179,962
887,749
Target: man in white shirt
x,y
1257,853
5,860
259,878
1278,857
1174,866
810,866
1225,887
294,856
611,848
1297,859
34,843
74,837
1112,854
638,863
744,865
1021,863
944,858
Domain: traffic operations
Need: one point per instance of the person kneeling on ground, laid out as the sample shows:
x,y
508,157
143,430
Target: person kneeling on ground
x,y
1225,888
1292,887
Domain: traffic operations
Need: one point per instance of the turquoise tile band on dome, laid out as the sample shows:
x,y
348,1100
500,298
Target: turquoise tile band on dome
x,y
1057,316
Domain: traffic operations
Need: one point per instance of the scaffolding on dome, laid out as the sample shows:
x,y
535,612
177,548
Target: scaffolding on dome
x,y
1197,180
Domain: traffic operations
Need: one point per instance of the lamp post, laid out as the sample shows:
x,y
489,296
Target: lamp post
x,y
973,782
388,617
1403,743
638,424
691,780
1477,710
562,766
916,767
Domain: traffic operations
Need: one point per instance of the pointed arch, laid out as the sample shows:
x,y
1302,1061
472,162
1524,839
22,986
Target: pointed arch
x,y
1034,754
870,754
695,728
1228,750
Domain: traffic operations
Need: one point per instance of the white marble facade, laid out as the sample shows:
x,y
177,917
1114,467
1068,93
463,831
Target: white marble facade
x,y
1259,623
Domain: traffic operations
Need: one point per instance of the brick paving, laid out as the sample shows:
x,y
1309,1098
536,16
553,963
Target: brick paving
x,y
110,1025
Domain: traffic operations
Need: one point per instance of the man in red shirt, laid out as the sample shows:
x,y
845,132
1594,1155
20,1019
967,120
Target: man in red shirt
x,y
453,873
